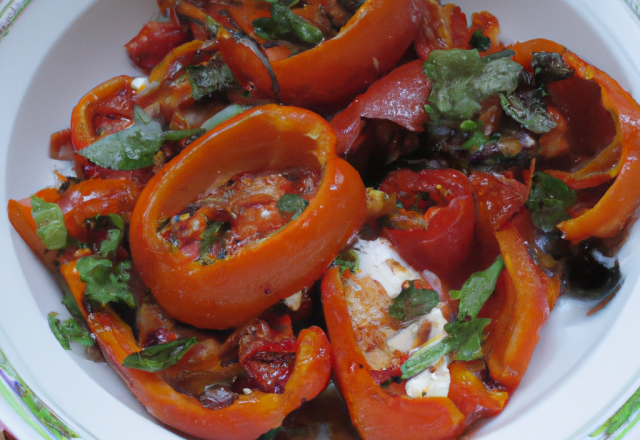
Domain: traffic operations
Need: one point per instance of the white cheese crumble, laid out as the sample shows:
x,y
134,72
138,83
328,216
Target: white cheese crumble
x,y
139,84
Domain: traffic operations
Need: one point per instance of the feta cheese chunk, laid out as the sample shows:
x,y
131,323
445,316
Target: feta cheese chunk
x,y
432,382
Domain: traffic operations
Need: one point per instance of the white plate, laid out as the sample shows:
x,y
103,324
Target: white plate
x,y
56,51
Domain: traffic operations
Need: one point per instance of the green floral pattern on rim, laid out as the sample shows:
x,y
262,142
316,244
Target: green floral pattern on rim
x,y
28,406
635,6
9,10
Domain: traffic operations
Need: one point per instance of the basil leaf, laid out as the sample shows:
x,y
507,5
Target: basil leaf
x,y
480,41
133,147
466,336
50,225
292,203
159,357
461,80
413,302
477,289
105,283
550,67
269,435
209,237
72,306
283,23
223,115
347,260
214,77
549,200
531,112
67,331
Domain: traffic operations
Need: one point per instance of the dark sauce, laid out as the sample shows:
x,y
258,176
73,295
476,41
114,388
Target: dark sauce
x,y
589,274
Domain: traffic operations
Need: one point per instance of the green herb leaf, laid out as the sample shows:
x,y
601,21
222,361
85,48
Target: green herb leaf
x,y
477,289
465,335
223,115
159,357
477,140
133,147
209,237
284,23
531,112
480,41
105,282
270,435
292,203
549,200
67,331
347,260
413,302
214,77
72,306
461,80
550,67
50,225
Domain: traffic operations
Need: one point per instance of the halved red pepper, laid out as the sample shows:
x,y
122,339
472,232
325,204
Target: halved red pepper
x,y
246,419
154,41
231,291
334,72
445,243
622,199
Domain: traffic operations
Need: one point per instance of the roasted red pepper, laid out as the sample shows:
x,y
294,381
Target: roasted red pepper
x,y
334,72
245,419
233,290
154,42
622,199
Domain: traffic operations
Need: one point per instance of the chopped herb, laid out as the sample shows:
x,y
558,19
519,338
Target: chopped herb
x,y
114,236
133,147
292,203
223,115
477,289
462,79
72,306
480,41
209,237
549,200
50,225
284,23
161,356
213,77
106,282
477,140
270,435
550,67
68,331
530,112
470,336
468,125
413,302
347,260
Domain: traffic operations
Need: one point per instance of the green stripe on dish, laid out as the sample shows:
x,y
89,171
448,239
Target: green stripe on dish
x,y
29,407
9,11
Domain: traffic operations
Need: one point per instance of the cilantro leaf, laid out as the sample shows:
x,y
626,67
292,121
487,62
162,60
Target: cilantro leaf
x,y
347,260
161,356
105,283
292,203
530,112
67,331
480,41
464,337
413,302
550,67
549,200
283,23
50,225
477,289
133,147
461,80
213,77
209,237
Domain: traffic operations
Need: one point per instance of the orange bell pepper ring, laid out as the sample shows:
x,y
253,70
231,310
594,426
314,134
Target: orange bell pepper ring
x,y
246,419
622,199
334,72
238,288
375,413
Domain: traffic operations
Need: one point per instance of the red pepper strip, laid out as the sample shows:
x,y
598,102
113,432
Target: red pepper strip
x,y
22,221
446,242
623,197
518,310
231,291
366,48
246,419
154,42
398,97
376,414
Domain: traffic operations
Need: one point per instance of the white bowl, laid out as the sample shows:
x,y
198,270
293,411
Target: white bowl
x,y
56,51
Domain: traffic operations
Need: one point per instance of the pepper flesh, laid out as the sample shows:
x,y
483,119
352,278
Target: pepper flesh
x,y
246,419
232,291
